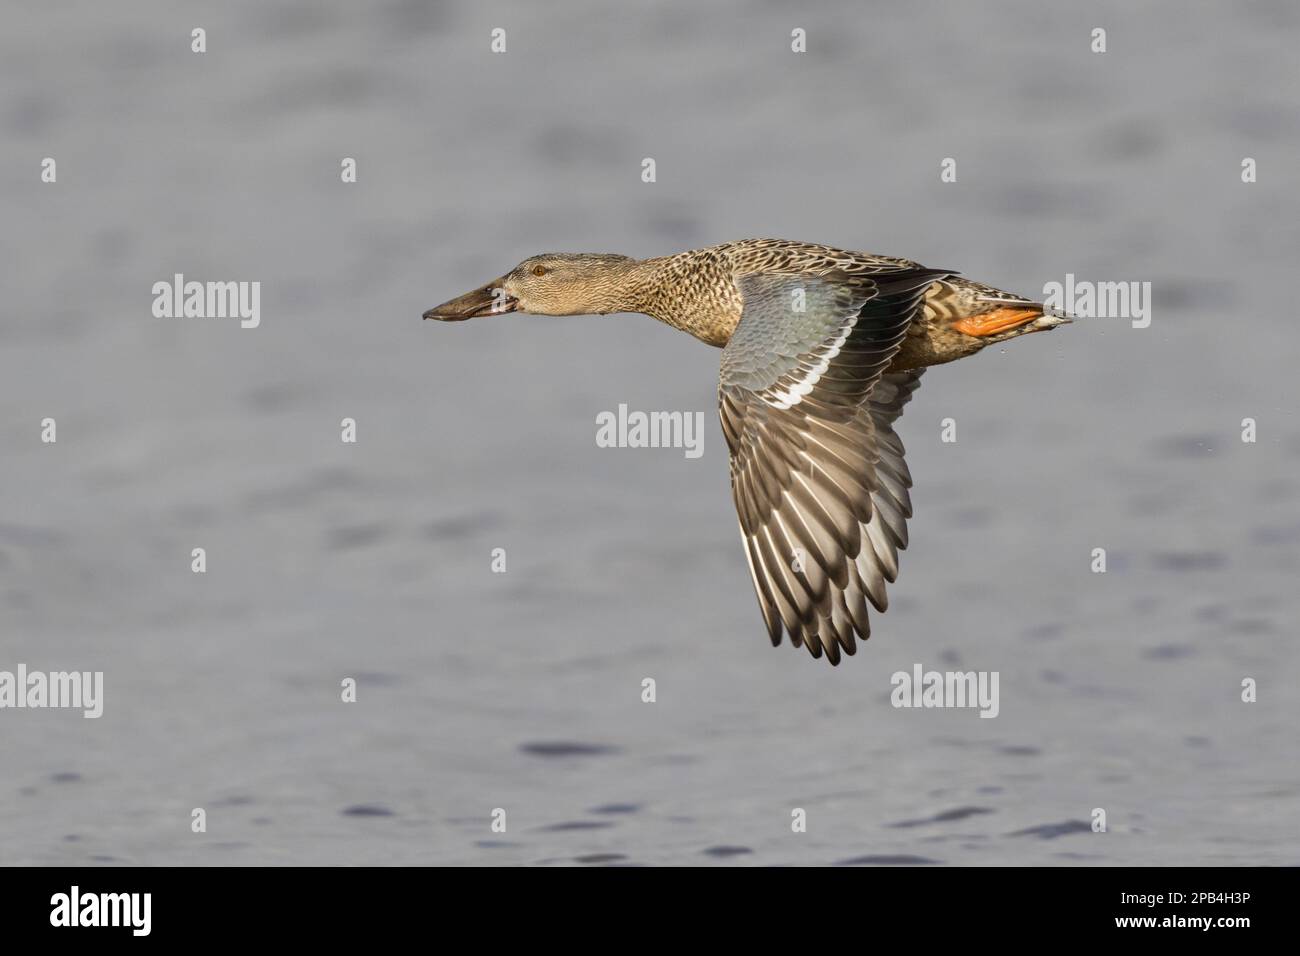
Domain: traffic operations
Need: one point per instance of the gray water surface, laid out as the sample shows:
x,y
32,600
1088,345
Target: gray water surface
x,y
522,690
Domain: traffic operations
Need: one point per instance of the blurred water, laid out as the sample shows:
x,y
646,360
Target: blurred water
x,y
522,690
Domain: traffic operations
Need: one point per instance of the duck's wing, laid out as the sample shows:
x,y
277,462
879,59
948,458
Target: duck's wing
x,y
817,472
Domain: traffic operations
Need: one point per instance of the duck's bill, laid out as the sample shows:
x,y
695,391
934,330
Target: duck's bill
x,y
489,300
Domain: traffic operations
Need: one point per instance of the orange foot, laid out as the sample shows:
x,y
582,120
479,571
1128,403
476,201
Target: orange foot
x,y
999,320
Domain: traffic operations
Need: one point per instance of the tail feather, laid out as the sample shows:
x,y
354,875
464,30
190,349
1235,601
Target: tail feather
x,y
980,310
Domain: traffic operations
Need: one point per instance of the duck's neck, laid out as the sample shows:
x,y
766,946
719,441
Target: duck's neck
x,y
628,286
691,291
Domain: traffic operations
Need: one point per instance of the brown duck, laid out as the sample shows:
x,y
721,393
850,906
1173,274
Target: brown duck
x,y
821,349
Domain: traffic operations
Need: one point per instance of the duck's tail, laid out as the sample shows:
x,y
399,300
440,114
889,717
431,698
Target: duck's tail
x,y
980,311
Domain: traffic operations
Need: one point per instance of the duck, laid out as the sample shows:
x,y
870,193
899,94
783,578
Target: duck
x,y
821,350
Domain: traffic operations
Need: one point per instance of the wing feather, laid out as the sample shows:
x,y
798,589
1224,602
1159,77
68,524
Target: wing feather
x,y
817,472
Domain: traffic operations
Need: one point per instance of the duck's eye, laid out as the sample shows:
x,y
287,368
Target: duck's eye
x,y
539,270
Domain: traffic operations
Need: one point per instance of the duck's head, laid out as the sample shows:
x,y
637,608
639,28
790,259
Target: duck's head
x,y
554,283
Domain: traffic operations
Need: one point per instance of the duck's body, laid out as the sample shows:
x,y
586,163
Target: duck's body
x,y
821,349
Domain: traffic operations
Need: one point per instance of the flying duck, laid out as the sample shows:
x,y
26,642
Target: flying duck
x,y
821,349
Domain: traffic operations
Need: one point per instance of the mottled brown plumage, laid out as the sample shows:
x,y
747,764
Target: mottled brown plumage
x,y
822,347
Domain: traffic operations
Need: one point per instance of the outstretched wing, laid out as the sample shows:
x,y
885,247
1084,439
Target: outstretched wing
x,y
817,472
